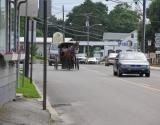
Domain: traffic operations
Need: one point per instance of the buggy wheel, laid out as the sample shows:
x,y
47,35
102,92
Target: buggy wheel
x,y
50,63
77,64
56,64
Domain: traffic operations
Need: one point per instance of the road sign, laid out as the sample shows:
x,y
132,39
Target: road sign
x,y
157,45
157,39
157,34
157,52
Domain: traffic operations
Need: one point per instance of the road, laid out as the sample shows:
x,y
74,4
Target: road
x,y
93,96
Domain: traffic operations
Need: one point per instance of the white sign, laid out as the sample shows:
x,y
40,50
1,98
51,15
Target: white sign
x,y
157,52
149,42
157,45
157,39
57,37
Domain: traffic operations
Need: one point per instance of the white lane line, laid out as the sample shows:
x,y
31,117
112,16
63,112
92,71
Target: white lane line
x,y
140,85
91,70
133,83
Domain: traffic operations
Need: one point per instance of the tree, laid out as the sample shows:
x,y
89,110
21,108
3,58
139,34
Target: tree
x,y
55,26
149,37
76,22
154,15
123,19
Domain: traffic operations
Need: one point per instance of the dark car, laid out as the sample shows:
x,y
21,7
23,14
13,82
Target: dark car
x,y
131,63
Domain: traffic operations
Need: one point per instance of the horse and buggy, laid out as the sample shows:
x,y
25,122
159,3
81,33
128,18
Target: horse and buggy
x,y
65,55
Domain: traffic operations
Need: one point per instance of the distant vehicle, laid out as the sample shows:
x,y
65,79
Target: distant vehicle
x,y
53,54
131,63
92,60
110,60
82,57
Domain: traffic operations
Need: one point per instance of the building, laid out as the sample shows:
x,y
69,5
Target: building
x,y
7,70
120,42
41,10
8,46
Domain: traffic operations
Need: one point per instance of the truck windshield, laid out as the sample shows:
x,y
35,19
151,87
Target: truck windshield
x,y
54,47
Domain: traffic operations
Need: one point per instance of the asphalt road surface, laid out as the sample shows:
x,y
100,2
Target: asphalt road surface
x,y
93,96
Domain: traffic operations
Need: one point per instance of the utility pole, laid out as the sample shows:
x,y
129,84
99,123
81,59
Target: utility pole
x,y
144,27
87,25
63,24
45,28
87,15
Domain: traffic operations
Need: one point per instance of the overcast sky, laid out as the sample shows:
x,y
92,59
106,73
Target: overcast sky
x,y
69,4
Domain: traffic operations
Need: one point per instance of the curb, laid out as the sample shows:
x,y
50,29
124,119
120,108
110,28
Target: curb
x,y
155,68
53,114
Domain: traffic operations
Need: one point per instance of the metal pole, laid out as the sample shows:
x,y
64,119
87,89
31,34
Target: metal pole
x,y
15,25
27,49
144,26
26,14
45,26
9,32
32,33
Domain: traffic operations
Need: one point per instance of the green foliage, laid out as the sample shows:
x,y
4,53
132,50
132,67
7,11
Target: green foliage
x,y
33,49
39,57
22,26
98,13
149,37
39,33
29,90
54,27
123,19
154,15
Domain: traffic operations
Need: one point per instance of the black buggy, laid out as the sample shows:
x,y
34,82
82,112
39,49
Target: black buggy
x,y
66,56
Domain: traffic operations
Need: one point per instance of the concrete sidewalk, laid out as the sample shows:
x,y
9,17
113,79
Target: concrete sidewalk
x,y
155,68
24,112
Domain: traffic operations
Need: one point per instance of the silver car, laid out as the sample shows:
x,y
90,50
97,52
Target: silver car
x,y
131,63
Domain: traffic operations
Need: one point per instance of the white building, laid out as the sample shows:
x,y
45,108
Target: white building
x,y
120,41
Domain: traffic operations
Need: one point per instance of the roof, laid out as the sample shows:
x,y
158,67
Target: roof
x,y
115,36
49,39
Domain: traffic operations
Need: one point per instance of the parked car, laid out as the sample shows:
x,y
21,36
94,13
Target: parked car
x,y
131,63
110,59
82,57
92,60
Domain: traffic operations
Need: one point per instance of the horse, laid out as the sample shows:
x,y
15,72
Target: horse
x,y
68,56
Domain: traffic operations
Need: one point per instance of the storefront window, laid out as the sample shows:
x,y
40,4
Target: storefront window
x,y
2,26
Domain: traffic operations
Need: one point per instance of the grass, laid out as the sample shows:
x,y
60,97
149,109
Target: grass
x,y
28,90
